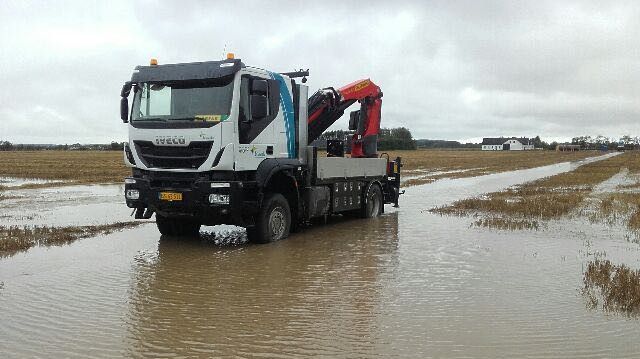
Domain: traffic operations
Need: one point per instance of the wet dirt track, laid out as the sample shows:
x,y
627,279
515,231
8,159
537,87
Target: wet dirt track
x,y
407,284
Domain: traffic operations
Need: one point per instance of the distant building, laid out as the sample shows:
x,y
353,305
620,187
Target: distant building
x,y
565,147
506,144
384,132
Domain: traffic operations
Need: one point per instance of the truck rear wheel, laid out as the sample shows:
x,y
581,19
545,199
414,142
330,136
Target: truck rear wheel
x,y
372,206
180,227
274,220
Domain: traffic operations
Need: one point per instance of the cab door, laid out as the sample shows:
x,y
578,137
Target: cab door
x,y
258,135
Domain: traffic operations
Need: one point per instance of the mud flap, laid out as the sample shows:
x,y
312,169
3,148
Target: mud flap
x,y
397,197
143,213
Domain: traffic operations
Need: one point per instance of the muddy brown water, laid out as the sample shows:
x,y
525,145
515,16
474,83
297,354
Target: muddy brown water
x,y
407,284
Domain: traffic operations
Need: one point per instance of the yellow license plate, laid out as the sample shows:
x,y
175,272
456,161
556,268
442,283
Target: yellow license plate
x,y
170,196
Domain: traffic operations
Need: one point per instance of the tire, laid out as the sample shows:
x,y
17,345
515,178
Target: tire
x,y
177,227
372,204
273,223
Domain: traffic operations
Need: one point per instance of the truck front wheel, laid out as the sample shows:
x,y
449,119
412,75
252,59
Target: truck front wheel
x,y
180,227
274,220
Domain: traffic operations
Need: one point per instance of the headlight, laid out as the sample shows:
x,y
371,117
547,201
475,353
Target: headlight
x,y
220,185
133,194
129,180
216,198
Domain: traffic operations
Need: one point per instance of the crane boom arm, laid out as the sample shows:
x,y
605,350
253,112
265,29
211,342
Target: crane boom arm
x,y
327,105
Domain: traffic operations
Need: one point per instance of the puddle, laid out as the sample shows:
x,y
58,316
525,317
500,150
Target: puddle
x,y
406,284
224,235
447,191
423,173
16,182
65,206
614,201
621,178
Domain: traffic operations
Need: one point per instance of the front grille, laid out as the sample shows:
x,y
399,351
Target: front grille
x,y
172,179
190,157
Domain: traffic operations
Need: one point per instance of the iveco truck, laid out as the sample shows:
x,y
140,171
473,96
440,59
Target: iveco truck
x,y
220,142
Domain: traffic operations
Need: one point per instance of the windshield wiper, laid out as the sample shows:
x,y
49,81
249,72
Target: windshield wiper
x,y
151,119
182,118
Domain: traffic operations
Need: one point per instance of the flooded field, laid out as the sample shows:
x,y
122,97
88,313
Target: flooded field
x,y
408,284
13,182
67,205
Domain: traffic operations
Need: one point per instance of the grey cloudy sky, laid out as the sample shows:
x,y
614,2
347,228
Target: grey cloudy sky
x,y
449,69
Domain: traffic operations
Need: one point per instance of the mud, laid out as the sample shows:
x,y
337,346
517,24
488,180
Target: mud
x,y
407,284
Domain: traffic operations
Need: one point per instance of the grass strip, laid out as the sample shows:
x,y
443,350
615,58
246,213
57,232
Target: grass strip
x,y
14,239
617,287
546,198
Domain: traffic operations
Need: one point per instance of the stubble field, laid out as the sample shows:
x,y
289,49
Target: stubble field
x,y
420,166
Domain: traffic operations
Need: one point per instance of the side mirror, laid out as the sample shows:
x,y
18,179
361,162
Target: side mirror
x,y
126,89
258,106
124,109
124,102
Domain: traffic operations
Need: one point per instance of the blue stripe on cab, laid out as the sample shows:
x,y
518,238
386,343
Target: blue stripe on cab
x,y
287,110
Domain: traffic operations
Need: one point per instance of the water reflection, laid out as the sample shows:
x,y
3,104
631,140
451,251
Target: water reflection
x,y
313,293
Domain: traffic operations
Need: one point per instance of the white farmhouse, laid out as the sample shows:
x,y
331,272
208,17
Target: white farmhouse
x,y
507,144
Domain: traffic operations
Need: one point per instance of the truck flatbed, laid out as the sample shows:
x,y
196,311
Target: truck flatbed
x,y
343,167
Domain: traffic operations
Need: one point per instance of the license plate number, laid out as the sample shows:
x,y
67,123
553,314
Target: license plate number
x,y
170,196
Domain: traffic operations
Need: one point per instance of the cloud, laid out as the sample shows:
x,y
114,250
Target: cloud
x,y
448,69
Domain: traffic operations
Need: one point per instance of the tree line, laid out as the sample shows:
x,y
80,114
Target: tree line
x,y
598,142
426,143
113,146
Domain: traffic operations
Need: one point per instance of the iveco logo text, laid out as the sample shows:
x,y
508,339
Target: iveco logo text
x,y
170,141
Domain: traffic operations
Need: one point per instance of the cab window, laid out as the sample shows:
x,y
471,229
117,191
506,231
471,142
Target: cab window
x,y
259,106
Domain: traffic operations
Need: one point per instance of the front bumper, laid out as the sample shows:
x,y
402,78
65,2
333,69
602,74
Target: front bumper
x,y
194,202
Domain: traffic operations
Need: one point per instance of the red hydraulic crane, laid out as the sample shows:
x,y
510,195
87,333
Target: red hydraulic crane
x,y
328,105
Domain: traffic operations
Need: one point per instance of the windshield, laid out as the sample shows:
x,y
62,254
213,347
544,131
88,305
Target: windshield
x,y
182,102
